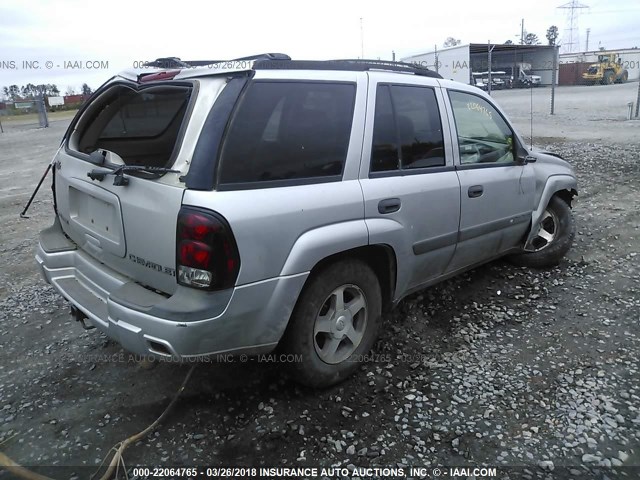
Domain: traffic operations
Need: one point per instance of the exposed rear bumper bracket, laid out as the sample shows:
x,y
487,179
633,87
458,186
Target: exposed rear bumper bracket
x,y
78,316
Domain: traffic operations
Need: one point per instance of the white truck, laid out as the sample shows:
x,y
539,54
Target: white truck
x,y
521,75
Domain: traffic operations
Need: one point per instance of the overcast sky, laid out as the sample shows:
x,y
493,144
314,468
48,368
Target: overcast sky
x,y
123,32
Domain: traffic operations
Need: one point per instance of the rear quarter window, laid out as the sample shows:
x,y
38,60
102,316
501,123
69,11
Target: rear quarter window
x,y
288,131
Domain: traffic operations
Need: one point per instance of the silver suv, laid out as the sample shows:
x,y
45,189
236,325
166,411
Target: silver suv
x,y
234,207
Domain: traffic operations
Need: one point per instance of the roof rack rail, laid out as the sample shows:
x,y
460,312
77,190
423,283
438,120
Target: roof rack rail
x,y
264,56
345,65
392,65
281,61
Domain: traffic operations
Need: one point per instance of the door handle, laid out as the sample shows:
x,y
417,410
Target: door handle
x,y
389,205
475,191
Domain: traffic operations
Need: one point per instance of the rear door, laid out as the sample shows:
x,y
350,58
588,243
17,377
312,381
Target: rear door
x,y
130,228
287,178
411,191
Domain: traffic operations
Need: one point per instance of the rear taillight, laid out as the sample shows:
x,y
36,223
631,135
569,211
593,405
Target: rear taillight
x,y
206,252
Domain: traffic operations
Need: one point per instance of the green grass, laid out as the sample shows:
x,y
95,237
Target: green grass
x,y
33,117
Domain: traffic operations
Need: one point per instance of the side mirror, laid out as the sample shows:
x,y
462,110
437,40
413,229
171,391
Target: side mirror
x,y
523,154
525,157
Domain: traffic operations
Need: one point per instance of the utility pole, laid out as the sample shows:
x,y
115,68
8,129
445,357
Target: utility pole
x,y
436,56
586,49
489,48
638,98
393,55
361,40
522,32
553,78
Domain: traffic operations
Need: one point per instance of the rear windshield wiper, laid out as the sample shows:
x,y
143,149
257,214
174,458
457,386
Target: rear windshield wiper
x,y
120,180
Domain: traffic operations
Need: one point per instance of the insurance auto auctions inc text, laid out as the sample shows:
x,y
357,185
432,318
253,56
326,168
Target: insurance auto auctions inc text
x,y
377,472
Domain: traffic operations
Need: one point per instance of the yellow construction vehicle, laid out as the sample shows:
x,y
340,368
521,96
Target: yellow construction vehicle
x,y
607,71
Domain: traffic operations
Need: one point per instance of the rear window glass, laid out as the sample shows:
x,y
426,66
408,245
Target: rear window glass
x,y
145,114
141,127
288,130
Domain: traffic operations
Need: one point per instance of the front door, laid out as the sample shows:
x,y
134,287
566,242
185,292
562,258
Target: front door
x,y
496,191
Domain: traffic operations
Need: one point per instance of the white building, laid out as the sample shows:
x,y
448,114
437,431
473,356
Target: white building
x,y
457,63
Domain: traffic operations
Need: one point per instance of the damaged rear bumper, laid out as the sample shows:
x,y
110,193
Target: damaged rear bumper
x,y
187,324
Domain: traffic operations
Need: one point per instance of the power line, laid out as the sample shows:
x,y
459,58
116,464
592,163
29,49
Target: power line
x,y
596,11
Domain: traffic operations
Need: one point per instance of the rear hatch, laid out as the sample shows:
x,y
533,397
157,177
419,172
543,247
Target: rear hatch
x,y
127,221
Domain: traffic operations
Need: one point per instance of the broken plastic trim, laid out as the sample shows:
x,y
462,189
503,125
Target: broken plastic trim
x,y
120,180
153,77
79,316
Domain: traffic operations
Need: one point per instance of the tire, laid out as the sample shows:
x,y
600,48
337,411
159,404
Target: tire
x,y
307,337
557,244
608,78
624,77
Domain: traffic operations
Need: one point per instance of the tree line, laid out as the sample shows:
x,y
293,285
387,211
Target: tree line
x,y
527,38
30,91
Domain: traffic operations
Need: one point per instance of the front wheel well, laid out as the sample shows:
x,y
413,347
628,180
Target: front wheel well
x,y
381,258
566,195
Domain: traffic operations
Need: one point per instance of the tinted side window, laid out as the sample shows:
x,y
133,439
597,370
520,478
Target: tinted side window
x,y
419,127
407,131
384,150
288,130
483,135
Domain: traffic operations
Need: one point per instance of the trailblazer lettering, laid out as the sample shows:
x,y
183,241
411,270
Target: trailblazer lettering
x,y
152,265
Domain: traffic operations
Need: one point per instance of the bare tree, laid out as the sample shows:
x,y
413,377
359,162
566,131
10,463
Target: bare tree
x,y
70,91
451,42
86,90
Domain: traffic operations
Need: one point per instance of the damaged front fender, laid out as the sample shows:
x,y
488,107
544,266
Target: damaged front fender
x,y
563,185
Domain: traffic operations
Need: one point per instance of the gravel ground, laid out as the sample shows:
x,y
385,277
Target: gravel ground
x,y
535,372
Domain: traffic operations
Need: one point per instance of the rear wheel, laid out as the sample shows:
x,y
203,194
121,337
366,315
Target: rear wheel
x,y
624,76
553,238
334,324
